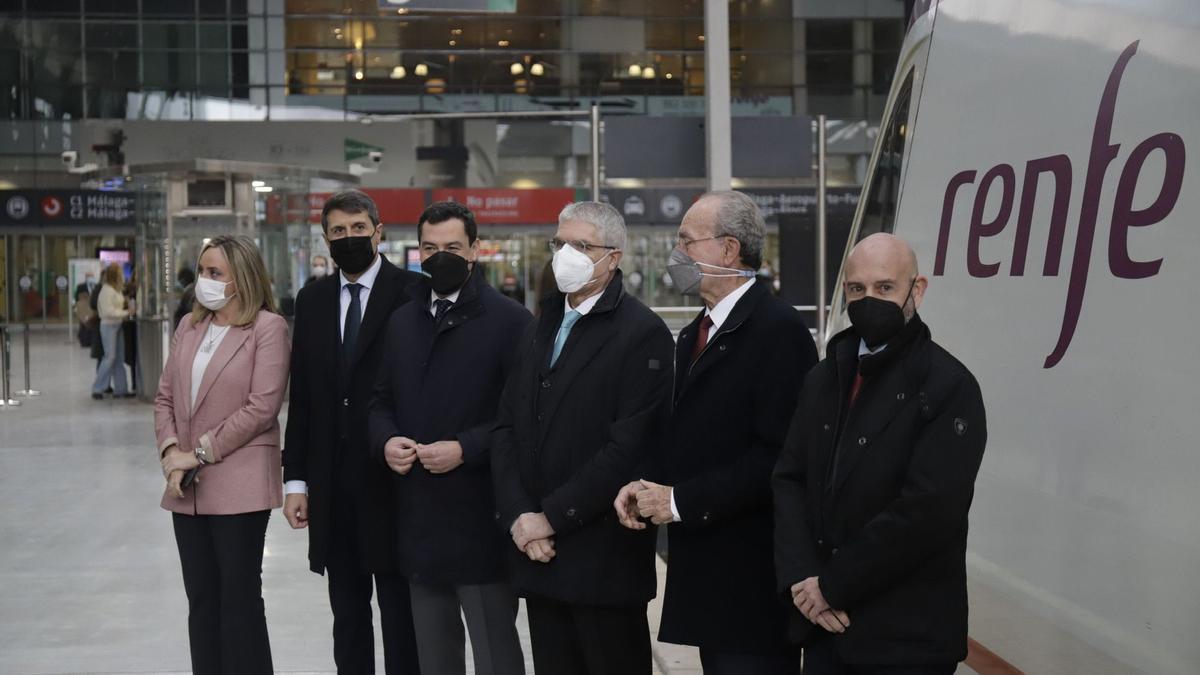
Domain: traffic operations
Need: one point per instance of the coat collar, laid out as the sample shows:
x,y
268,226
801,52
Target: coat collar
x,y
614,292
229,346
379,308
892,384
686,371
468,306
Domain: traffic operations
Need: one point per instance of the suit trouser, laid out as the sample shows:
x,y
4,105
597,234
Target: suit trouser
x,y
350,591
491,614
783,662
573,639
821,658
221,558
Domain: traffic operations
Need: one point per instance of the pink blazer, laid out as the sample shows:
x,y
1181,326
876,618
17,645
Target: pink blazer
x,y
236,417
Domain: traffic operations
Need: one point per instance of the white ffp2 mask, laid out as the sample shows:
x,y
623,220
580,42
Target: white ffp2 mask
x,y
211,293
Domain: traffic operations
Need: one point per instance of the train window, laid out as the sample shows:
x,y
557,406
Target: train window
x,y
884,191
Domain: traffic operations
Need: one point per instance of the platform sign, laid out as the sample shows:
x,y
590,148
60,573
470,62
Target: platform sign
x,y
39,208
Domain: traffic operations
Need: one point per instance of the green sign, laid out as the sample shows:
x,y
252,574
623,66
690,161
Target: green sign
x,y
357,149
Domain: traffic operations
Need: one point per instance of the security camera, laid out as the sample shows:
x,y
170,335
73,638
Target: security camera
x,y
376,156
69,158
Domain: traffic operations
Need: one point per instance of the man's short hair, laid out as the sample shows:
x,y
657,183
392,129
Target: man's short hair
x,y
440,212
608,221
349,201
738,216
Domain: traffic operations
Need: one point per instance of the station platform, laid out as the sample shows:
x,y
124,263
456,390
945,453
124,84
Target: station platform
x,y
89,568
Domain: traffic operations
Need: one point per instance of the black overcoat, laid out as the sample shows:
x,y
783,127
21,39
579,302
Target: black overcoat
x,y
441,383
569,437
731,411
882,522
326,437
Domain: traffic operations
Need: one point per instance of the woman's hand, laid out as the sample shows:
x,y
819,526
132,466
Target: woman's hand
x,y
174,486
176,459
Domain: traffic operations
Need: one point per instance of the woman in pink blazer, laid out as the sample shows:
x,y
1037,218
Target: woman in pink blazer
x,y
216,414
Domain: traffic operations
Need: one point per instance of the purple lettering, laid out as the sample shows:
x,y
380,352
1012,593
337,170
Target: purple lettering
x,y
1102,154
981,230
961,178
1124,215
1060,167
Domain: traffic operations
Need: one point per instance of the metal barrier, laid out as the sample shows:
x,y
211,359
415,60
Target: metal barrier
x,y
28,390
6,399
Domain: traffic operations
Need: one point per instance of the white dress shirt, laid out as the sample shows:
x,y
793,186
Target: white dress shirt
x,y
367,280
585,306
719,313
212,339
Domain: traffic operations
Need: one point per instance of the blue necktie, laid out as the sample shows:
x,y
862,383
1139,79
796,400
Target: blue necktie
x,y
440,307
564,330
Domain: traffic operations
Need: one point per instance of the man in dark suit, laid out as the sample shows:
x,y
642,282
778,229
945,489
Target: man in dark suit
x,y
582,412
738,370
875,481
450,350
337,347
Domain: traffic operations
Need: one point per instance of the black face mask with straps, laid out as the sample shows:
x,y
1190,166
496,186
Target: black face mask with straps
x,y
447,271
876,321
353,255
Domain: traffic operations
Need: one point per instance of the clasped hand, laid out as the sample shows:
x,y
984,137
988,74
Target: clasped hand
x,y
401,453
642,498
175,463
534,536
807,597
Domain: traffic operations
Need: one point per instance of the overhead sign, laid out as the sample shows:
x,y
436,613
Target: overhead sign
x,y
36,208
357,149
510,207
666,206
639,146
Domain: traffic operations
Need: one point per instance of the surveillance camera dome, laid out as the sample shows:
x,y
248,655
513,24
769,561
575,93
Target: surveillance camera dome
x,y
69,157
376,156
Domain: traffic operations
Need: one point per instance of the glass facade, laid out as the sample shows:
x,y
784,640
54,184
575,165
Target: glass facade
x,y
133,59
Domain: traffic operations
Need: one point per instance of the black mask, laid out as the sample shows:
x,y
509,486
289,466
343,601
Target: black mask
x,y
352,254
877,321
447,272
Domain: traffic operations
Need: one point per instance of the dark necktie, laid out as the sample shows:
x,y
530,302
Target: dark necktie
x,y
440,307
702,338
353,321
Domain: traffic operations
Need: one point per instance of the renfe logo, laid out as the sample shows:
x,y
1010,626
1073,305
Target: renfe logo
x,y
1124,215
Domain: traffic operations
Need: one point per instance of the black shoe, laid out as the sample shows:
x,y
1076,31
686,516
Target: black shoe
x,y
129,395
97,397
108,391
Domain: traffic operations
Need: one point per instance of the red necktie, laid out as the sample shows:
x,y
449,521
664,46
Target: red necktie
x,y
855,388
702,338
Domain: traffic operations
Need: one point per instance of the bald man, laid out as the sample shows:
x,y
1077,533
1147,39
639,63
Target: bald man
x,y
874,483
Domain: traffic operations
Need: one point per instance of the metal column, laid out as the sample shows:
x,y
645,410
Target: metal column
x,y
717,125
822,293
595,131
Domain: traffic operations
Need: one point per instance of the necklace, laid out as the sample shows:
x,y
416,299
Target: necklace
x,y
212,337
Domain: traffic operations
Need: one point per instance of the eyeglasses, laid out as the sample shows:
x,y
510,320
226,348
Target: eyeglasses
x,y
556,244
683,242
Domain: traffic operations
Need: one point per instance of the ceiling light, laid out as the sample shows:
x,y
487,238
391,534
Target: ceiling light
x,y
648,73
668,76
454,43
358,74
456,31
516,68
324,75
502,43
263,188
358,43
635,70
537,69
398,73
421,70
402,10
700,38
257,183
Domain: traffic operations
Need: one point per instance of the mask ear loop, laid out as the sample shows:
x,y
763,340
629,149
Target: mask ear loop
x,y
736,273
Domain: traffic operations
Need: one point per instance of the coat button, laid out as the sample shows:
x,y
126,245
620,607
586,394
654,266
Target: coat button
x,y
900,396
545,384
497,515
570,513
862,440
826,427
346,402
820,542
705,517
722,348
541,417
